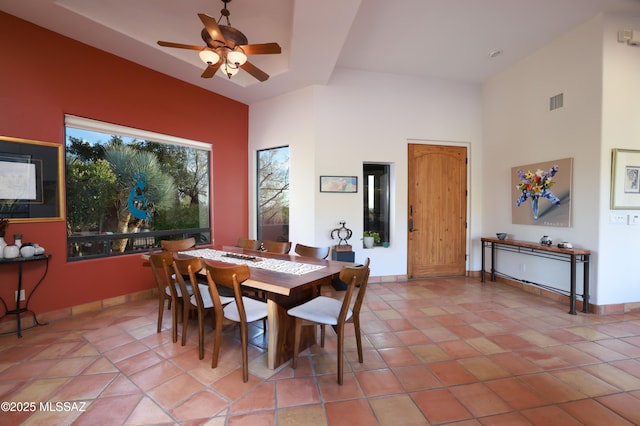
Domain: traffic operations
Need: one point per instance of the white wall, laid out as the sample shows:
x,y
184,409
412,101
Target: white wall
x,y
520,129
618,277
366,117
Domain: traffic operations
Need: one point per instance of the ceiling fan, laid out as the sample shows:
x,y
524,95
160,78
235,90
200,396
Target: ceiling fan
x,y
227,48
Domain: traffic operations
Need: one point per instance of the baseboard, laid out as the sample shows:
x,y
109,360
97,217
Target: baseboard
x,y
612,309
27,320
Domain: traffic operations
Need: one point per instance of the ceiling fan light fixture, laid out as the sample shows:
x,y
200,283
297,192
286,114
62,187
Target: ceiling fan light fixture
x,y
209,57
229,70
237,57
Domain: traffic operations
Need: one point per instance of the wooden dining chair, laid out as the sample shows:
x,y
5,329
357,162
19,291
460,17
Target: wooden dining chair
x,y
242,310
324,310
200,302
178,245
281,247
248,244
162,268
310,251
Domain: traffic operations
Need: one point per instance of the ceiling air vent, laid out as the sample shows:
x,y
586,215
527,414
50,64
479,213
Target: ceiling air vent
x,y
556,102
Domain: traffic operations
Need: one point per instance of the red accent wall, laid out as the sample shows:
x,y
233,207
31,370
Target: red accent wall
x,y
45,75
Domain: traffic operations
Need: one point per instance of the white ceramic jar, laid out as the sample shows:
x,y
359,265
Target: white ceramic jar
x,y
27,251
11,251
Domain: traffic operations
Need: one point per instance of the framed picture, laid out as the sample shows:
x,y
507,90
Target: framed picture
x,y
30,180
542,193
625,179
347,184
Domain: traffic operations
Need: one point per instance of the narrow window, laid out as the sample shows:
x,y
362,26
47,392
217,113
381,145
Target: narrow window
x,y
273,194
376,195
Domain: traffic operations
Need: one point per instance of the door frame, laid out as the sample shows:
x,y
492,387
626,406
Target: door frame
x,y
466,145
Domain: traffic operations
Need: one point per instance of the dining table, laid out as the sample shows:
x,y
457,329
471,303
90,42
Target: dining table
x,y
286,280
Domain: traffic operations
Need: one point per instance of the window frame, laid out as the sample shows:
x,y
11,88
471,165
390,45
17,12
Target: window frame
x,y
380,173
138,241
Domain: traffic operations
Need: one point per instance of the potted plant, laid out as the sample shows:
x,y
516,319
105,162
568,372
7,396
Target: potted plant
x,y
370,238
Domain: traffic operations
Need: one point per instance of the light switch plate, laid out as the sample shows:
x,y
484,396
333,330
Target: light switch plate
x,y
617,219
634,219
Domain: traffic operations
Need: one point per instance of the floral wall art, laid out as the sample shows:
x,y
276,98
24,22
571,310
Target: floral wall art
x,y
542,193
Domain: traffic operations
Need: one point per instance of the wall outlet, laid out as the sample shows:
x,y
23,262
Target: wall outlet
x,y
21,295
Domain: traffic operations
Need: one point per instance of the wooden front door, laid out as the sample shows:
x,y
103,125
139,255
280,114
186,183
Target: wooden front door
x,y
437,210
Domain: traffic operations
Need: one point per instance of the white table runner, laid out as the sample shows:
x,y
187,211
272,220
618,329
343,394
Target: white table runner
x,y
277,265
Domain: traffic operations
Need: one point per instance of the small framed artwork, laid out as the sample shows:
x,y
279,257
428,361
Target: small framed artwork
x,y
344,184
625,179
31,178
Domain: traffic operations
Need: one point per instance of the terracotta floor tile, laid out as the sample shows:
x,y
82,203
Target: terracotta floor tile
x,y
201,405
155,375
552,388
416,377
618,346
507,419
622,404
84,387
27,370
551,415
430,353
138,362
37,390
458,349
440,406
483,368
631,366
148,412
262,397
480,400
347,413
174,391
331,391
397,410
599,351
297,391
121,386
517,394
308,415
584,382
515,363
572,355
412,337
437,351
397,357
591,412
485,346
378,382
451,373
109,411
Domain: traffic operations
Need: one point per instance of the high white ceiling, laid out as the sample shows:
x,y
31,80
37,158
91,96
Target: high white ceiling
x,y
441,38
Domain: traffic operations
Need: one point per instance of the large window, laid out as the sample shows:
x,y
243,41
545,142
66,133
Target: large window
x,y
128,189
376,193
273,194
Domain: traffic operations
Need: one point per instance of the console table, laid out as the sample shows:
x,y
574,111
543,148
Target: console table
x,y
573,256
19,310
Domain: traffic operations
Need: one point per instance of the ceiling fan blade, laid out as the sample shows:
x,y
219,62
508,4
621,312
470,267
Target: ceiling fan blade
x,y
179,45
211,70
261,49
255,71
212,28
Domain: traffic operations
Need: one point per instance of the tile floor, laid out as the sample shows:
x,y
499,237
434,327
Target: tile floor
x,y
446,351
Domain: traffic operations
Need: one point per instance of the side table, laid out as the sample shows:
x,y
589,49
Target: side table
x,y
19,310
